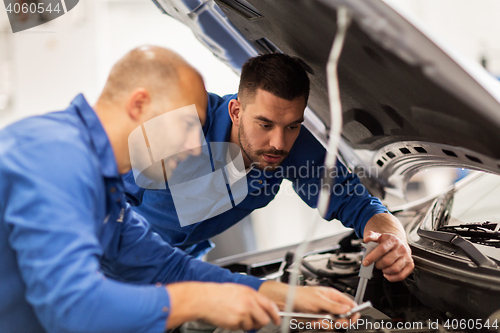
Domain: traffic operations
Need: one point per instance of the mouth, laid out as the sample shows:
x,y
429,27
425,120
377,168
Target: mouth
x,y
272,158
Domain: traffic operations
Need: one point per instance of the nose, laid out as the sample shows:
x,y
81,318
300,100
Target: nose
x,y
278,139
193,142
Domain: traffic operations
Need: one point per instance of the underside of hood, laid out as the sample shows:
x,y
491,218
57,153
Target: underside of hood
x,y
407,103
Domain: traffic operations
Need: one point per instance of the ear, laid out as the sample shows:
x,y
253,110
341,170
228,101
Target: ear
x,y
235,110
138,104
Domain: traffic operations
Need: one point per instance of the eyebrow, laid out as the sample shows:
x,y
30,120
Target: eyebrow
x,y
264,119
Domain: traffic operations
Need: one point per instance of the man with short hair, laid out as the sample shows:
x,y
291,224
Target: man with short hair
x,y
264,120
75,257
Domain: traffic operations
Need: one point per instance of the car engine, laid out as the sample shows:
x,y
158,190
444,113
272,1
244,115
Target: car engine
x,y
395,307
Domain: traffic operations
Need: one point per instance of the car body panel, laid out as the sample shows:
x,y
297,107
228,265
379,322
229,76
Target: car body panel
x,y
409,101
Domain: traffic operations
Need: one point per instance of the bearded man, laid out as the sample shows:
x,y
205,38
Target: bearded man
x,y
264,121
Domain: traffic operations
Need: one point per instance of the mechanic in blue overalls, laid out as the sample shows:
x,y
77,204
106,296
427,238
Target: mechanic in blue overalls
x,y
75,258
264,121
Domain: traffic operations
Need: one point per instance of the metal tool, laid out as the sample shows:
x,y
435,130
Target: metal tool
x,y
365,273
327,316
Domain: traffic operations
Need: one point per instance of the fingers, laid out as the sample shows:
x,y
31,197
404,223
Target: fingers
x,y
386,244
234,307
259,318
330,300
271,309
247,324
393,257
265,311
390,259
336,307
371,236
355,316
337,296
402,274
325,300
239,321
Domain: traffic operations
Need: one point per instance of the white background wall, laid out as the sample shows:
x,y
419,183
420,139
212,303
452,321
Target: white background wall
x,y
45,67
469,26
51,63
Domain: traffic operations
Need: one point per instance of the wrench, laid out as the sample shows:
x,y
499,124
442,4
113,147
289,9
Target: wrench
x,y
365,273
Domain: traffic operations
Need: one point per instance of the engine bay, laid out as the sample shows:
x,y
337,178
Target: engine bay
x,y
396,308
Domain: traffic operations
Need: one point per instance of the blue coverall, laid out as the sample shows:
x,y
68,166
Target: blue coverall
x,y
350,203
74,257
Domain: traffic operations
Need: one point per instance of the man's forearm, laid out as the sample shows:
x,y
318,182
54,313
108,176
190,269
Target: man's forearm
x,y
185,300
385,223
275,291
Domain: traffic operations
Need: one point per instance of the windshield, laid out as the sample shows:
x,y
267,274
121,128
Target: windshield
x,y
477,202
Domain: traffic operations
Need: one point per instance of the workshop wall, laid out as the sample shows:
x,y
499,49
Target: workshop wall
x,y
43,68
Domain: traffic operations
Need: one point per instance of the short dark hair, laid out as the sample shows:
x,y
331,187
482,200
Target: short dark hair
x,y
277,73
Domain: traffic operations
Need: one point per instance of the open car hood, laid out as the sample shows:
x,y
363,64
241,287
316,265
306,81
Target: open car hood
x,y
408,101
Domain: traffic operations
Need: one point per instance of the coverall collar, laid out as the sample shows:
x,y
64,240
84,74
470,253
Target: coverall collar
x,y
98,136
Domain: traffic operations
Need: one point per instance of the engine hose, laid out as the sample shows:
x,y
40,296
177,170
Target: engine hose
x,y
321,273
